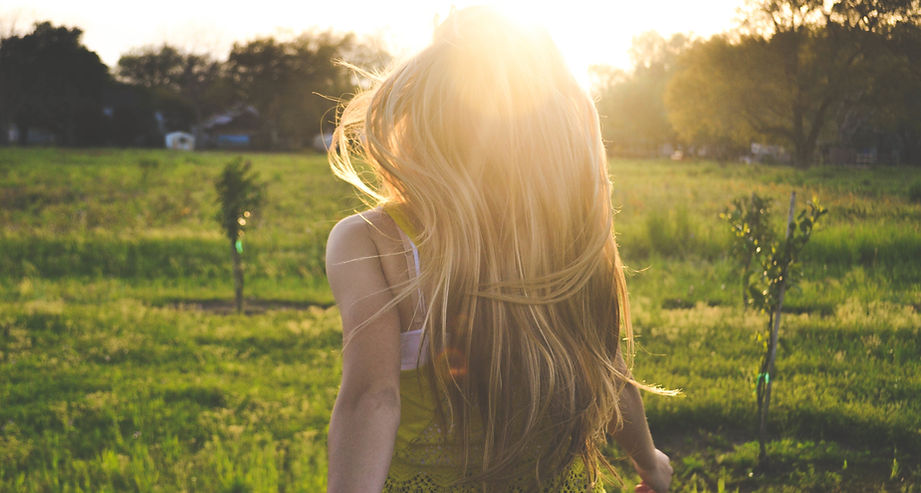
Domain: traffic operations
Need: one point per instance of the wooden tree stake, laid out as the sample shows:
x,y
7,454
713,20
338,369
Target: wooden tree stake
x,y
768,368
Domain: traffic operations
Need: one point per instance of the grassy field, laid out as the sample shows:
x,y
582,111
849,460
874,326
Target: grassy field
x,y
122,367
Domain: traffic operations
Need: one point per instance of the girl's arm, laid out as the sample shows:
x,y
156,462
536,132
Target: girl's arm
x,y
363,426
634,439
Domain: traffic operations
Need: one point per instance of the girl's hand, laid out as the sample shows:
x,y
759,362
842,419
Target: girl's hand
x,y
657,477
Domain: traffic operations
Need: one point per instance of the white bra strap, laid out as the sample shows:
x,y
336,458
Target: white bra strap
x,y
415,257
415,251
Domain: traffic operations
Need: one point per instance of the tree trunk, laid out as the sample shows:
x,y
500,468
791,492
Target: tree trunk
x,y
767,369
802,155
6,340
23,134
237,276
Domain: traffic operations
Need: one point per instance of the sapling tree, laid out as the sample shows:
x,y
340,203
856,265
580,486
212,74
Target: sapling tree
x,y
756,247
749,219
239,194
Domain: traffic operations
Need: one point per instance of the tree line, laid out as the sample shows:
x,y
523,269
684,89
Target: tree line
x,y
52,85
819,81
806,80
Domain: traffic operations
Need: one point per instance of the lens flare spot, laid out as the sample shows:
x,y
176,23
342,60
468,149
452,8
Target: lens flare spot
x,y
454,361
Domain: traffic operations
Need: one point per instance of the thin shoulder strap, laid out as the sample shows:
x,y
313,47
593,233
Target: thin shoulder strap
x,y
406,229
402,221
408,233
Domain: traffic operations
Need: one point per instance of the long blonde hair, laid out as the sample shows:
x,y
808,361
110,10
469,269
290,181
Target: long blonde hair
x,y
486,142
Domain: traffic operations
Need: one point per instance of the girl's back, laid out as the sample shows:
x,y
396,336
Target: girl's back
x,y
422,459
487,155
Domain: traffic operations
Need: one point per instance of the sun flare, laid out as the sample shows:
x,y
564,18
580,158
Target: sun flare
x,y
568,31
591,32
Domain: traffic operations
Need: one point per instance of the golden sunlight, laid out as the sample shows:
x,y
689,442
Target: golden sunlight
x,y
591,32
587,31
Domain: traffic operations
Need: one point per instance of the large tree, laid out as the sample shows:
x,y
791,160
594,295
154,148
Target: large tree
x,y
187,87
788,74
887,113
631,106
904,110
49,80
707,98
294,84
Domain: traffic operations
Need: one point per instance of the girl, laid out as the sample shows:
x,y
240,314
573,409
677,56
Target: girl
x,y
482,295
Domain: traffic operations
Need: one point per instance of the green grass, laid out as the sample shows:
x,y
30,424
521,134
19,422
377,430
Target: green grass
x,y
123,368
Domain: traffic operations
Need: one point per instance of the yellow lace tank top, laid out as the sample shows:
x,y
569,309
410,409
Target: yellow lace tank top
x,y
423,461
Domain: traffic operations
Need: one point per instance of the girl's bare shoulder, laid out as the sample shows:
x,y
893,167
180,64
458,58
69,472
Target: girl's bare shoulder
x,y
362,234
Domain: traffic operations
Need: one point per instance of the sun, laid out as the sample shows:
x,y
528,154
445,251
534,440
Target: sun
x,y
567,32
590,32
585,32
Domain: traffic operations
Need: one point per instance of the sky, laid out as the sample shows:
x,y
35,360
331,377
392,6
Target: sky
x,y
587,32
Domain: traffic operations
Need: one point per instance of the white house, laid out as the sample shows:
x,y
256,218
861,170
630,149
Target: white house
x,y
180,141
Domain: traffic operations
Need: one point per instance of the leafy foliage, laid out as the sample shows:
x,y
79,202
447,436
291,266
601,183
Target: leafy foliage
x,y
239,194
288,83
748,220
765,290
294,84
802,74
756,245
634,120
186,87
50,80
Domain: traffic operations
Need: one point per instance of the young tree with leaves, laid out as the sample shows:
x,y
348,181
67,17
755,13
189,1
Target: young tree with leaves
x,y
767,271
239,193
